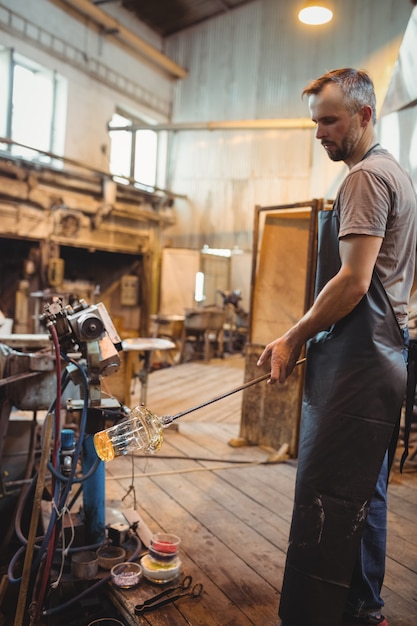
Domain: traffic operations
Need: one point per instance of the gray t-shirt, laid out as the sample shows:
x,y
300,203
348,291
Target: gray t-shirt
x,y
377,198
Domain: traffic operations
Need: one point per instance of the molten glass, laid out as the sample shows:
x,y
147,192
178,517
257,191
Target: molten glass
x,y
142,431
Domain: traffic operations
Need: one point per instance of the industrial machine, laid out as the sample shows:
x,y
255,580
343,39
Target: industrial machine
x,y
65,377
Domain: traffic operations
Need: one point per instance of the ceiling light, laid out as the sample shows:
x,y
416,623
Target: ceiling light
x,y
314,14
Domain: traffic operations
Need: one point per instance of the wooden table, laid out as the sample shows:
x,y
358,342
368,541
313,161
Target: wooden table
x,y
136,347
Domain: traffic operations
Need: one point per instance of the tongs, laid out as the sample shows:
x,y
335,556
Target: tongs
x,y
183,589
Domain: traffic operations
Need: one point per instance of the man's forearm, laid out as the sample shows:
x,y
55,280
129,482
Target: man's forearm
x,y
338,298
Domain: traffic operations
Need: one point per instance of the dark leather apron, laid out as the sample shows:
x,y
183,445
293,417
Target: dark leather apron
x,y
354,388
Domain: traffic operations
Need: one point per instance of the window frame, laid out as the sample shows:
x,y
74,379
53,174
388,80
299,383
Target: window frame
x,y
55,138
134,121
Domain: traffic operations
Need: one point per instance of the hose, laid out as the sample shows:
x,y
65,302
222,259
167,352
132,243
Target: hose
x,y
55,459
23,591
59,495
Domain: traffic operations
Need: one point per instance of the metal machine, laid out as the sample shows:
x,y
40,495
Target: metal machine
x,y
89,345
66,374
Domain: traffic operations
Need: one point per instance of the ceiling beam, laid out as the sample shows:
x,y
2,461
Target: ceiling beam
x,y
115,29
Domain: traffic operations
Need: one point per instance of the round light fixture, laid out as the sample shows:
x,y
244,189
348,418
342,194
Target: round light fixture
x,y
315,14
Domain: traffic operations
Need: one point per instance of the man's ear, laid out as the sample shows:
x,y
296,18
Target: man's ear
x,y
366,115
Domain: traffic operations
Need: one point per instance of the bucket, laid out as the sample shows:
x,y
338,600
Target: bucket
x,y
84,565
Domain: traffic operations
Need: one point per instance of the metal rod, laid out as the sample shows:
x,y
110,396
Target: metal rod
x,y
34,521
16,377
229,393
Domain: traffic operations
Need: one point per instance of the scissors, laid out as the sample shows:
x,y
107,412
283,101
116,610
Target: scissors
x,y
161,599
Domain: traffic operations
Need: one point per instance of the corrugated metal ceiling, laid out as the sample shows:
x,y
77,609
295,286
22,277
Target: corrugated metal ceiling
x,y
171,16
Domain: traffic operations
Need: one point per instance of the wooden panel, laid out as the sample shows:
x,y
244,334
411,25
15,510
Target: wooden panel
x,y
281,289
179,267
270,413
281,275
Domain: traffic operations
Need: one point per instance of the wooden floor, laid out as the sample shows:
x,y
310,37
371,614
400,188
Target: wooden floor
x,y
231,508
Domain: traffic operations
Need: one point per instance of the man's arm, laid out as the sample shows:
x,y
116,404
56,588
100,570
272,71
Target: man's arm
x,y
339,297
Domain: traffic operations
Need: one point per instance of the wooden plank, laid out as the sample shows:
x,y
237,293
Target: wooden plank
x,y
270,413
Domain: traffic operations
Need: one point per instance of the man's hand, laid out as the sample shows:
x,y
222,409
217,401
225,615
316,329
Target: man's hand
x,y
283,358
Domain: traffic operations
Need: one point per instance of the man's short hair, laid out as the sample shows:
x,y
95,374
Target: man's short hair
x,y
357,87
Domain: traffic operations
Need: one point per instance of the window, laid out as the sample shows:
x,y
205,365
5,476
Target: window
x,y
120,148
40,126
146,144
133,154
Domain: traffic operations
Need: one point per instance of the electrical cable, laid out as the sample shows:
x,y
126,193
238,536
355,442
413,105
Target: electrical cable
x,y
65,492
22,483
76,479
25,497
55,458
19,512
47,538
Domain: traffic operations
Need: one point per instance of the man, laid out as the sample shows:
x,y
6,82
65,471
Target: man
x,y
355,372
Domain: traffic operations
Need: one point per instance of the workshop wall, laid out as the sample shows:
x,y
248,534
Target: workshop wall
x,y
62,211
250,64
101,73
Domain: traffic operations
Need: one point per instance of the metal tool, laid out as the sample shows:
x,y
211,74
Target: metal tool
x,y
143,430
183,586
170,418
164,598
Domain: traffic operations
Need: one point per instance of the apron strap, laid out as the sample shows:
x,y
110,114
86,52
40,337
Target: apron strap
x,y
410,397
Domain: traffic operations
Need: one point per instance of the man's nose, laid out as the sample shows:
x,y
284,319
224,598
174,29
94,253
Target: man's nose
x,y
320,133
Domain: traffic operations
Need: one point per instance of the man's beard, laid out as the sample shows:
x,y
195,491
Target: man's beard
x,y
337,155
342,153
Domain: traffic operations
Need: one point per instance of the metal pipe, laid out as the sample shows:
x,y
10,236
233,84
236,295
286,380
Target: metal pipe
x,y
225,395
295,123
94,496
